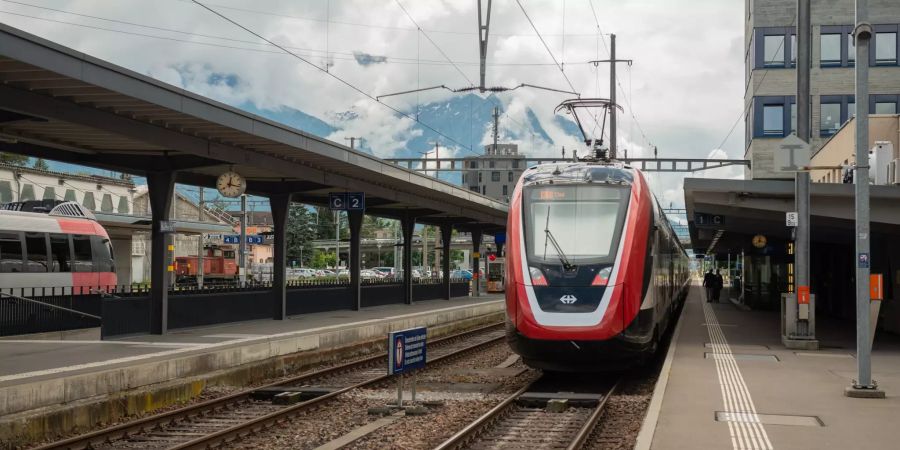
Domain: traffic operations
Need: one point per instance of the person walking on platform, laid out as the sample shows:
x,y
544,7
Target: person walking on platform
x,y
708,282
718,284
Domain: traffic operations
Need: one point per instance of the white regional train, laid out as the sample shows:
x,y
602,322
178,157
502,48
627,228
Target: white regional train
x,y
65,249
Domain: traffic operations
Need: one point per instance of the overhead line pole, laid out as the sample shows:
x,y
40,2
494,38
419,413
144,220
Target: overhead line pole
x,y
863,385
613,147
804,326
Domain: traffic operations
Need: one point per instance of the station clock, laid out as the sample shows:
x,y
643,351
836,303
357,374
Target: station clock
x,y
759,241
231,184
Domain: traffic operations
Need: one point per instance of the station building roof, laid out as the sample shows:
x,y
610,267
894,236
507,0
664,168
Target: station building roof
x,y
64,105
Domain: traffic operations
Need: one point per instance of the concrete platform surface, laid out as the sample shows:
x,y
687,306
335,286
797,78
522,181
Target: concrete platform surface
x,y
61,368
729,364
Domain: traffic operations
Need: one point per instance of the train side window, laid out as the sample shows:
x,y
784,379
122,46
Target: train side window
x,y
11,252
36,251
60,252
83,261
103,254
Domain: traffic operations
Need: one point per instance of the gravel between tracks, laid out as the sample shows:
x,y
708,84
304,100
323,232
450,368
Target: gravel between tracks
x,y
410,432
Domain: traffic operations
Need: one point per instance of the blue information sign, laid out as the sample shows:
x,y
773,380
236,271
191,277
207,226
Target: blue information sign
x,y
406,350
337,201
236,239
500,238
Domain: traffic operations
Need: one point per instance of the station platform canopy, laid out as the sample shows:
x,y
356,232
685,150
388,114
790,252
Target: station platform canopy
x,y
725,215
60,104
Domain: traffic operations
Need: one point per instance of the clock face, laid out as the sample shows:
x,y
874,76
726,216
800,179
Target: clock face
x,y
231,184
759,241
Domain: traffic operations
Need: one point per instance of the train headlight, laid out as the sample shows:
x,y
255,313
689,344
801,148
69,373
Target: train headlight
x,y
602,277
537,277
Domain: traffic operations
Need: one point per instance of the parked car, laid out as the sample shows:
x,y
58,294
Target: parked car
x,y
461,274
386,272
343,273
368,274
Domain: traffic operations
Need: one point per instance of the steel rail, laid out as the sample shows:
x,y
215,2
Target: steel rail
x,y
496,414
124,430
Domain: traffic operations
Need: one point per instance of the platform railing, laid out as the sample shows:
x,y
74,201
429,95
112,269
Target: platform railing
x,y
20,315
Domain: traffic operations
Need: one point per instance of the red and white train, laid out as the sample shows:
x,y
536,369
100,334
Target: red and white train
x,y
595,271
63,250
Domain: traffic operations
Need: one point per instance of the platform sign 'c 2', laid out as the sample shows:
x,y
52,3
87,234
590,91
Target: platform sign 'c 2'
x,y
406,350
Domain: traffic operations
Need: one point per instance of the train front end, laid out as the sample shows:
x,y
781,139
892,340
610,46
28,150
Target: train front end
x,y
578,267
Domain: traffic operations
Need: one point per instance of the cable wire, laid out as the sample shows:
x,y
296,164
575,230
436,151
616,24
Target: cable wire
x,y
519,2
339,79
441,51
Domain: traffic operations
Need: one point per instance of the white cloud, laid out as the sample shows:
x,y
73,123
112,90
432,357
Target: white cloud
x,y
685,86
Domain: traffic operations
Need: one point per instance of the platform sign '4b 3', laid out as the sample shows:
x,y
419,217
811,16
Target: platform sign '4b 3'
x,y
406,350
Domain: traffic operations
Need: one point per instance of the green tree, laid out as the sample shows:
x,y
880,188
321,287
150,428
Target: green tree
x,y
325,227
13,159
40,164
300,232
322,259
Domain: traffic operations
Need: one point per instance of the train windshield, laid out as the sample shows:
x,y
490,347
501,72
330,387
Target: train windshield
x,y
574,224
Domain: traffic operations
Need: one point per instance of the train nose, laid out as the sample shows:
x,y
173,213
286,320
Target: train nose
x,y
571,299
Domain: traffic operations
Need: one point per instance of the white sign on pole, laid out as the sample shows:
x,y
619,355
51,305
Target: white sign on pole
x,y
792,219
792,154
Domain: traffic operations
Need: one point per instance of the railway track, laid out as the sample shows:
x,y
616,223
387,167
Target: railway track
x,y
525,420
223,420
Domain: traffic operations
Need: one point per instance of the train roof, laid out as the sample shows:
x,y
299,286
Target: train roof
x,y
580,172
64,217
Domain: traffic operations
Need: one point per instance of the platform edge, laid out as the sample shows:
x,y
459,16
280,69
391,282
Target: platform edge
x,y
648,427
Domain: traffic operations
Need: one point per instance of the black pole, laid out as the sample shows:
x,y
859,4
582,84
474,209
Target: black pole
x,y
280,205
446,235
356,219
476,261
161,187
407,224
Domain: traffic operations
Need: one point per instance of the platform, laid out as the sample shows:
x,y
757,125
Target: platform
x,y
730,363
62,372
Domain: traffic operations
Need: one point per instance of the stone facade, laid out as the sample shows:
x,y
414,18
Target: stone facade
x,y
781,81
498,171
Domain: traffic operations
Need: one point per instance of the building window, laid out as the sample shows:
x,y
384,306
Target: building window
x,y
70,196
885,108
834,111
773,120
106,204
123,205
505,190
509,176
473,188
88,202
773,51
495,176
836,46
5,192
830,118
515,164
492,163
49,193
773,47
479,177
773,116
27,193
883,104
830,55
886,49
484,190
473,164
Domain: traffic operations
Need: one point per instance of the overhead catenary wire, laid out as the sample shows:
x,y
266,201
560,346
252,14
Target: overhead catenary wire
x,y
339,79
561,71
347,56
439,49
746,109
